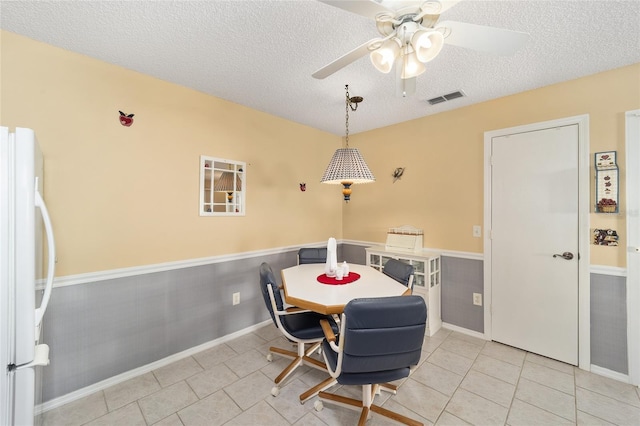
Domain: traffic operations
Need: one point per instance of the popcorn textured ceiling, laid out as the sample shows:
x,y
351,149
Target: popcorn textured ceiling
x,y
262,53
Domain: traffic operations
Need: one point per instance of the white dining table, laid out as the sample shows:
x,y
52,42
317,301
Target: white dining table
x,y
302,288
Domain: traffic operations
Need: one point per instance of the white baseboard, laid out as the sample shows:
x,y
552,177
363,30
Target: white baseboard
x,y
81,393
462,330
601,371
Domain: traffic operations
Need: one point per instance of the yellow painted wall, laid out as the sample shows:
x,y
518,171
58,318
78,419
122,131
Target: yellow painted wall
x,y
128,196
122,197
442,188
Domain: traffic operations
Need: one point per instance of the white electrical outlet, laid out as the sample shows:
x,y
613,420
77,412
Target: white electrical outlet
x,y
477,299
236,298
477,231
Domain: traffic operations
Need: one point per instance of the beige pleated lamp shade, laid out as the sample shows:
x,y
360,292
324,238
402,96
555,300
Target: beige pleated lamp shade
x,y
225,183
347,165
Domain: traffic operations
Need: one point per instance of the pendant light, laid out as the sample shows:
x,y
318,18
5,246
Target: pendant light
x,y
347,167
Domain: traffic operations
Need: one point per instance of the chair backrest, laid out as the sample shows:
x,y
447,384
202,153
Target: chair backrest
x,y
312,255
399,271
268,278
384,333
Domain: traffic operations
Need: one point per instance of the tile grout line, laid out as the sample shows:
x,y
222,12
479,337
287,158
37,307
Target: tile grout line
x,y
444,409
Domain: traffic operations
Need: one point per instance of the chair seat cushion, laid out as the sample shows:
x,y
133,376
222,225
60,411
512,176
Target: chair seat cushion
x,y
306,325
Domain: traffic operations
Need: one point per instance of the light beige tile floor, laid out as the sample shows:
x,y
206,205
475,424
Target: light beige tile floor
x,y
460,380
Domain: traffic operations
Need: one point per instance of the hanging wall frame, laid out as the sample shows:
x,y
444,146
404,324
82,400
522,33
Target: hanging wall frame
x,y
607,193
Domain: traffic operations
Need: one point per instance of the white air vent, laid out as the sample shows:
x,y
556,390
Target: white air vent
x,y
447,97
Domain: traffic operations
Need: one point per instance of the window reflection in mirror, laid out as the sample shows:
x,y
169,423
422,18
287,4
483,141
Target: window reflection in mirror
x,y
222,187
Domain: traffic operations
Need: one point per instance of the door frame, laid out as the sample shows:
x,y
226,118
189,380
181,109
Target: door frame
x,y
632,149
584,284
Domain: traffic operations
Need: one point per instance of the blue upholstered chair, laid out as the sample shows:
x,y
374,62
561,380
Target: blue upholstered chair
x,y
299,326
399,271
312,255
379,340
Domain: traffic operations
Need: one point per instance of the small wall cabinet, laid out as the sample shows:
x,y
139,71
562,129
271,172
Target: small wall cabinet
x,y
222,187
426,281
607,190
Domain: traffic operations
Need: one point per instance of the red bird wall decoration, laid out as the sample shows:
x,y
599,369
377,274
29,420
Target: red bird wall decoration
x,y
126,120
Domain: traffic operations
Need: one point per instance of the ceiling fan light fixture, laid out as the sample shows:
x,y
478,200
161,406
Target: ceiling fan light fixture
x,y
411,66
383,57
427,44
417,27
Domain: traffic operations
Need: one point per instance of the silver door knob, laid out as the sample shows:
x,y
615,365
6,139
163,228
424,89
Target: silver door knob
x,y
566,255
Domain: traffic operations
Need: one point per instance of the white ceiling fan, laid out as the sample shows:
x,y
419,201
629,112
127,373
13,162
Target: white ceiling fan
x,y
411,35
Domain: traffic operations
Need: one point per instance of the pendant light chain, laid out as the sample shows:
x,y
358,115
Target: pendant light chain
x,y
346,108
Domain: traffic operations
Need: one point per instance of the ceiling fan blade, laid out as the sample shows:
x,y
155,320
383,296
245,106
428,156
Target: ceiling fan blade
x,y
366,8
344,60
498,41
448,4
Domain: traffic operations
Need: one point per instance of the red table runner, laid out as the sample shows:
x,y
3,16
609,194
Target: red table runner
x,y
324,279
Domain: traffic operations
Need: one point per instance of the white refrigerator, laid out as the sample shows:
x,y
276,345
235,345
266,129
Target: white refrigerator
x,y
24,228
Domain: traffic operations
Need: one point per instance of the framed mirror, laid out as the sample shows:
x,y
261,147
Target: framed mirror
x,y
222,187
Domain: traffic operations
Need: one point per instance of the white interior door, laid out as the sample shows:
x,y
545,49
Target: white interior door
x,y
534,220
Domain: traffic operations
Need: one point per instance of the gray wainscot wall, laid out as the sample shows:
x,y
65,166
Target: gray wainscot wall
x,y
101,329
609,322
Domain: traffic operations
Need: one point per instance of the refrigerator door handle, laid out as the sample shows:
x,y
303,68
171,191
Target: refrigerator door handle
x,y
51,246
